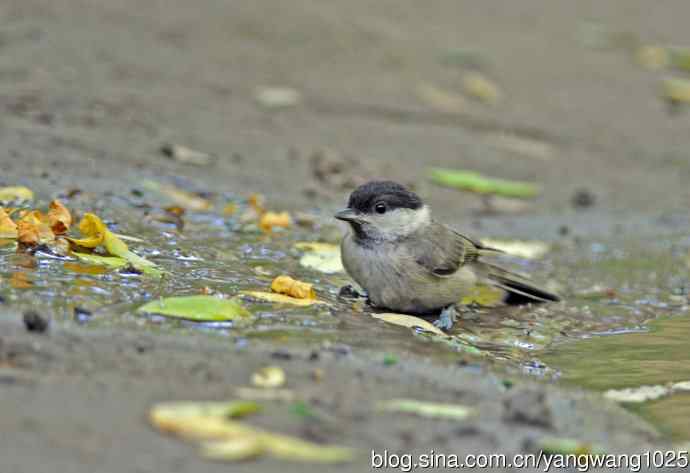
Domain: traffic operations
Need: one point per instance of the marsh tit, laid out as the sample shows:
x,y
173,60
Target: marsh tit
x,y
409,263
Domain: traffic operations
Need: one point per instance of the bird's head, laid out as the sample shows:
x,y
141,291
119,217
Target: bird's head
x,y
384,210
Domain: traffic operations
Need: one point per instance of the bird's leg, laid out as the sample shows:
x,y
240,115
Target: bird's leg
x,y
447,318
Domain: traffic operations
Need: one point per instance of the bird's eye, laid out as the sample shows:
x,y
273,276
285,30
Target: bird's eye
x,y
380,208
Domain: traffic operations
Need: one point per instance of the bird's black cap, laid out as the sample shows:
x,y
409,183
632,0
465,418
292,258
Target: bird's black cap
x,y
393,194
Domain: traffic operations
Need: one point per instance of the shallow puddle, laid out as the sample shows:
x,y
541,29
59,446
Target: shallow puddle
x,y
624,323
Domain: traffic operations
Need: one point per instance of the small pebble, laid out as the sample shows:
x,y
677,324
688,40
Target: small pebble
x,y
82,315
349,292
281,355
583,198
34,322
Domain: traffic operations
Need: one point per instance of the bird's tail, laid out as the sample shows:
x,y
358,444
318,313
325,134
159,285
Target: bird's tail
x,y
520,290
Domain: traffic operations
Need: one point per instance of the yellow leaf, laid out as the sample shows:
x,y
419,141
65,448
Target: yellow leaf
x,y
445,101
97,233
292,287
282,299
8,229
16,193
257,202
269,377
426,409
409,321
59,218
93,230
481,88
237,449
211,421
274,219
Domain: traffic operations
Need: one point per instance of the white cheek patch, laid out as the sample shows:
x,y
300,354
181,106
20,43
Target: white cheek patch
x,y
400,222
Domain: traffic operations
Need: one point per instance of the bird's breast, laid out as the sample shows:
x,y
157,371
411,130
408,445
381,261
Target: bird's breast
x,y
393,279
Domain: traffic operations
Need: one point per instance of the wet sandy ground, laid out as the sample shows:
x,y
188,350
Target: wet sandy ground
x,y
91,89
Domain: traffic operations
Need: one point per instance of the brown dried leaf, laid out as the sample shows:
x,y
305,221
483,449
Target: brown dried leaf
x,y
59,218
293,288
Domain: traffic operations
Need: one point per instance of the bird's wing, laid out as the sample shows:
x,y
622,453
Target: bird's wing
x,y
443,251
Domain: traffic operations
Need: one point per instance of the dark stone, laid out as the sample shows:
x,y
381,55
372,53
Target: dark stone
x,y
34,322
281,355
349,292
583,198
82,315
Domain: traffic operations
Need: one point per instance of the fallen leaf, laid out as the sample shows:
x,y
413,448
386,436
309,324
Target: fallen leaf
x,y
178,196
236,449
478,86
196,421
96,233
440,99
59,218
566,446
277,97
269,377
270,220
185,155
198,308
636,395
409,321
19,193
676,90
389,359
524,249
33,229
93,230
257,202
324,257
475,182
230,409
293,288
8,229
681,386
281,299
653,58
110,261
426,409
230,209
659,57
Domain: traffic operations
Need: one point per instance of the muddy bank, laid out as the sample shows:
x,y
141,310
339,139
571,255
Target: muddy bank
x,y
80,397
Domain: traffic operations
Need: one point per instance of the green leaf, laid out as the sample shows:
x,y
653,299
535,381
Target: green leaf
x,y
199,308
109,261
115,262
475,182
568,446
389,360
426,409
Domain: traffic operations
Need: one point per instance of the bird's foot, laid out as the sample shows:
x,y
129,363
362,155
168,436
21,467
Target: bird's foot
x,y
447,318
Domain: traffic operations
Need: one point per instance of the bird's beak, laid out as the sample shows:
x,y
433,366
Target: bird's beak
x,y
347,215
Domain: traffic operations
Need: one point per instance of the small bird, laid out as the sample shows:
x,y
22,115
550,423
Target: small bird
x,y
407,262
